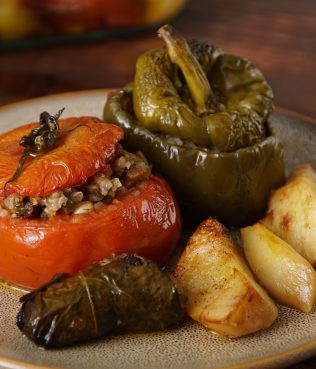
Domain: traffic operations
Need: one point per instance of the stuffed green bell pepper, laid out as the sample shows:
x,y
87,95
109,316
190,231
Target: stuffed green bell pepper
x,y
201,117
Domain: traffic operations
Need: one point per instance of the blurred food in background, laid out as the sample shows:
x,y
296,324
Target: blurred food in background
x,y
37,18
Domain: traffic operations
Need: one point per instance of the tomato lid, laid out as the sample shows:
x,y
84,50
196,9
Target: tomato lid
x,y
86,145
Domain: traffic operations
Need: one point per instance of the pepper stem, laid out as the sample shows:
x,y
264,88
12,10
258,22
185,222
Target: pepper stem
x,y
180,54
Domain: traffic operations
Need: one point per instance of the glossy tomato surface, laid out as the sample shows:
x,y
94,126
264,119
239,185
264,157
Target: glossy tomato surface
x,y
144,220
85,148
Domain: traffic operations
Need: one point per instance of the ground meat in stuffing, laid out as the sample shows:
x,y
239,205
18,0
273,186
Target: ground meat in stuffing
x,y
126,170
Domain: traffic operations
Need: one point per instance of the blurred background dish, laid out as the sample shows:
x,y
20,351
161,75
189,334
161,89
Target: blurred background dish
x,y
278,36
20,19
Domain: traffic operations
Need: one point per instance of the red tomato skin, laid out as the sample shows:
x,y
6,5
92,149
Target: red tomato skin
x,y
146,221
85,148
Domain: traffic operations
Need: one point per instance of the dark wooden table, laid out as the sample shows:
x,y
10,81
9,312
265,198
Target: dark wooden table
x,y
277,35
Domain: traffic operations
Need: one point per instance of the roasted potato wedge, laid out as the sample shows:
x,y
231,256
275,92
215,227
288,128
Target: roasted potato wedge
x,y
222,293
286,275
292,212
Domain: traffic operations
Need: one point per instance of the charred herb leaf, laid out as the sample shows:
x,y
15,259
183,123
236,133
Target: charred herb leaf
x,y
40,140
122,293
44,137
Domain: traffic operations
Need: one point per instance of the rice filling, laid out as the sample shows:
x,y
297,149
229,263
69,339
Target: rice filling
x,y
126,170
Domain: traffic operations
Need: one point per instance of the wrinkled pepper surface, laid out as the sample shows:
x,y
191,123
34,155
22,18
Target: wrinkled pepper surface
x,y
201,117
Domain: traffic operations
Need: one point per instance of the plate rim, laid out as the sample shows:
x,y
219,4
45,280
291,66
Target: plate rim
x,y
278,109
288,357
278,359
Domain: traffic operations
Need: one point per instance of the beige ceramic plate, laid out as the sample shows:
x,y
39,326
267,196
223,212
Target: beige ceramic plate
x,y
292,337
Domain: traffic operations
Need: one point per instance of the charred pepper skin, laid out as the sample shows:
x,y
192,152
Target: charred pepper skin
x,y
231,186
119,294
218,105
173,94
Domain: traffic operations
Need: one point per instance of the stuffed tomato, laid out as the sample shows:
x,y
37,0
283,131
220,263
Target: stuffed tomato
x,y
84,199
